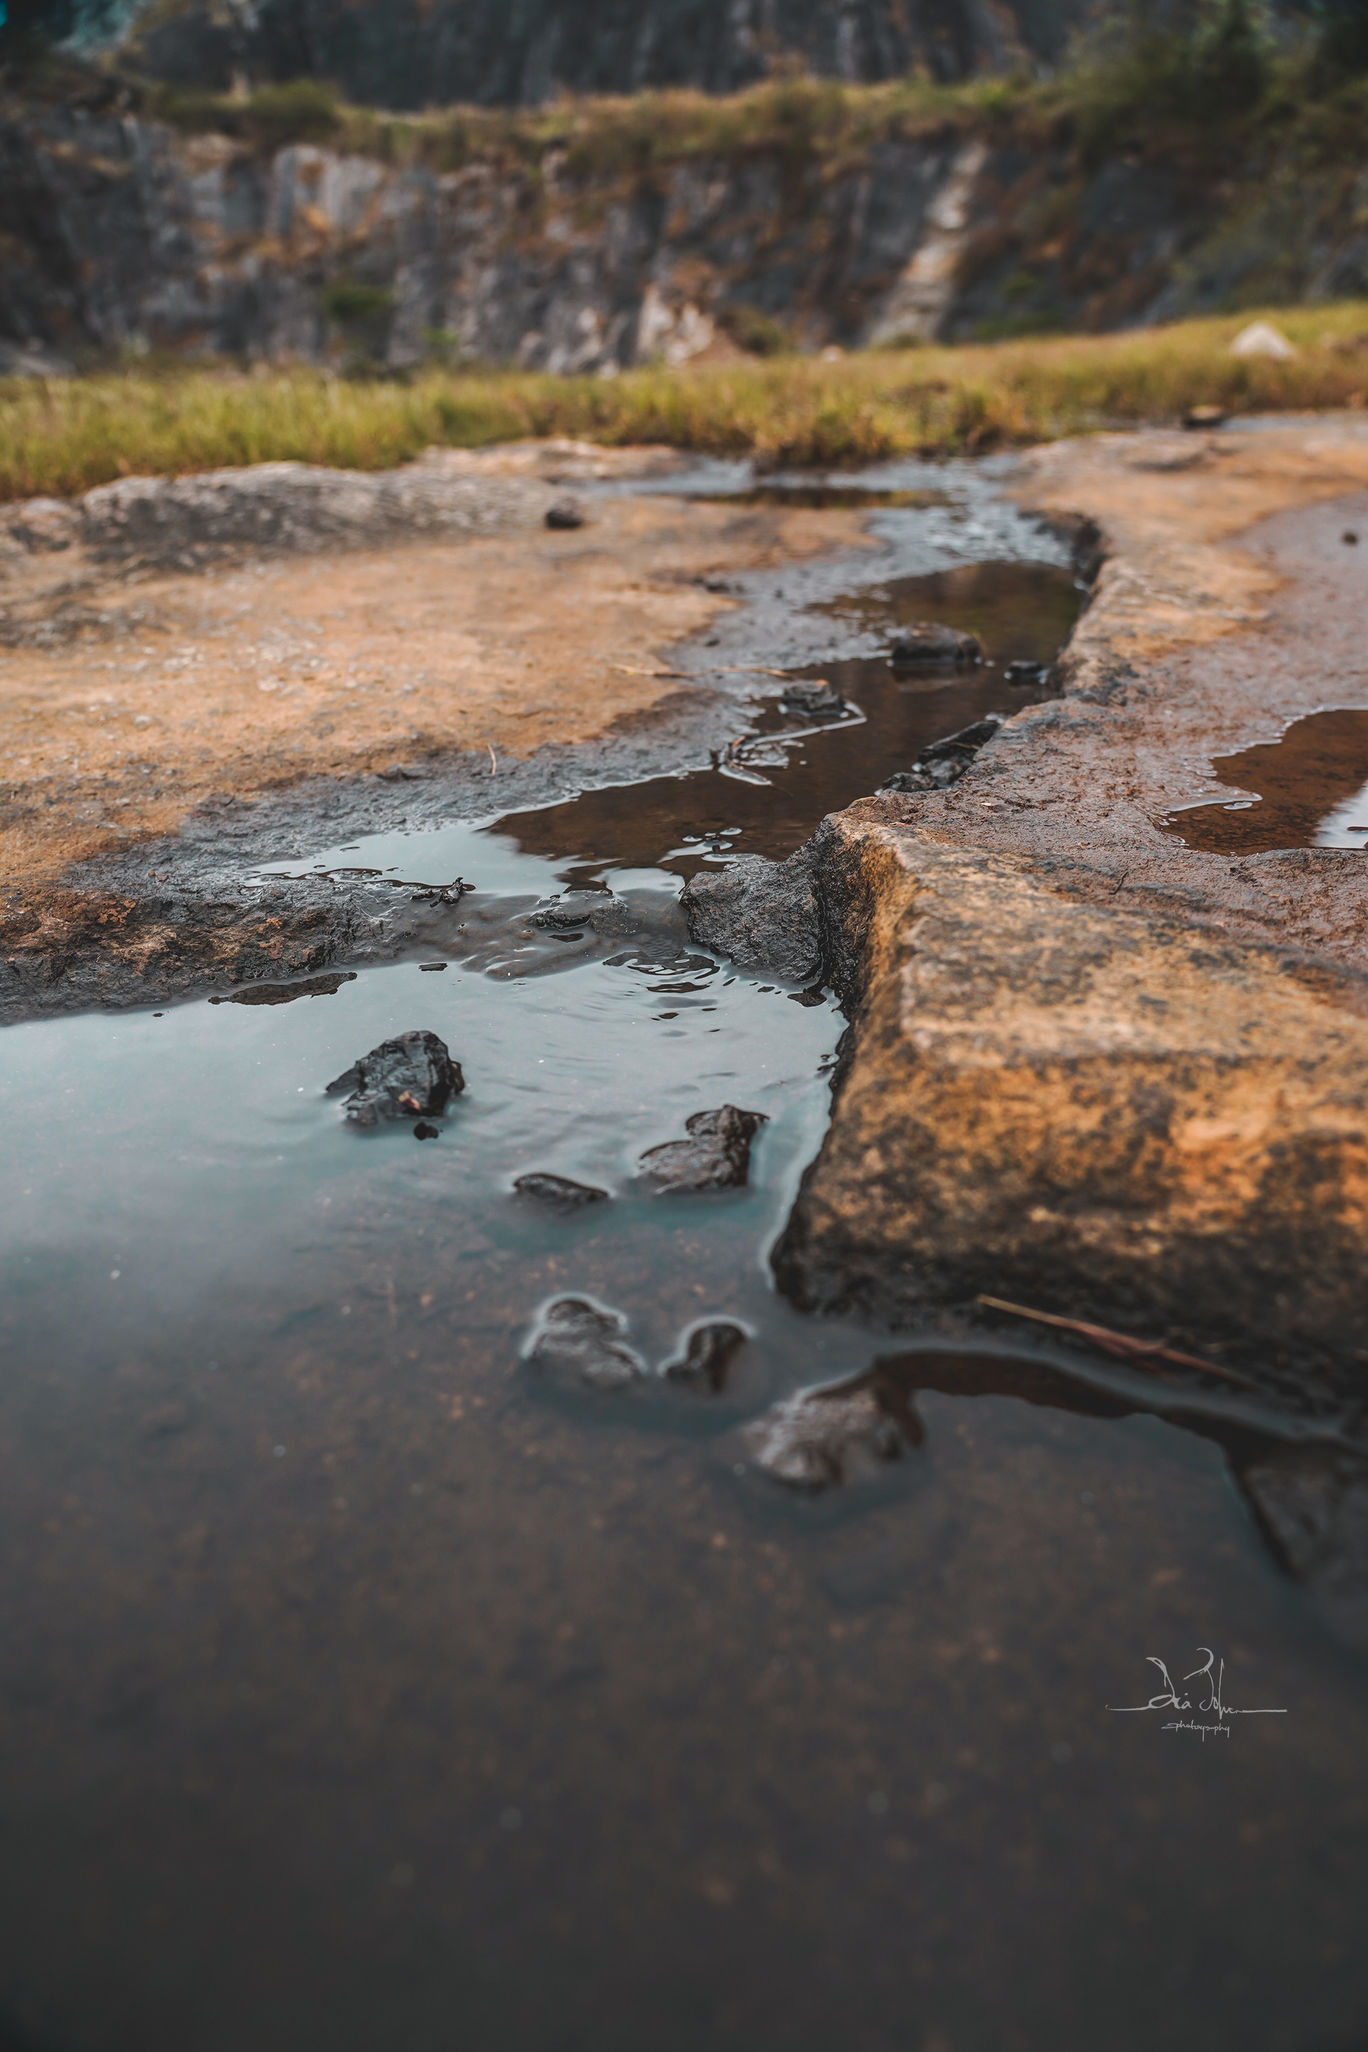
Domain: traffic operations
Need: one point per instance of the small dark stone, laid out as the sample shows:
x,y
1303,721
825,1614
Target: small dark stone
x,y
1021,673
823,1437
716,1155
431,968
814,698
401,1079
560,1192
706,1354
423,1131
565,513
1349,538
926,643
1204,417
579,1344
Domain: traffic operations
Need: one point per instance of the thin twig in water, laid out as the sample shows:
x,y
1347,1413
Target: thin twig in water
x,y
1120,1344
707,670
493,759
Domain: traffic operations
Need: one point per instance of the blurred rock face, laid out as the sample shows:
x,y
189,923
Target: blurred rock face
x,y
415,53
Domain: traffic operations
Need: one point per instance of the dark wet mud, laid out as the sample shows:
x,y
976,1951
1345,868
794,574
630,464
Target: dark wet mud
x,y
365,1683
1307,790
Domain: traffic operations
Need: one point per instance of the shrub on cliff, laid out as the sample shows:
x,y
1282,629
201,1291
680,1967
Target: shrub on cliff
x,y
1148,70
1341,41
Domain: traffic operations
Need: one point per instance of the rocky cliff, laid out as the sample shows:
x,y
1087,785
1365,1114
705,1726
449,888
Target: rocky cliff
x,y
119,232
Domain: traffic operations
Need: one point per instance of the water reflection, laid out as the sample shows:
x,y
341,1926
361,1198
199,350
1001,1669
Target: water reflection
x,y
1311,791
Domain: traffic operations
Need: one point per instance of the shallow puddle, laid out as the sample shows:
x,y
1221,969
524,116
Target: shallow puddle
x,y
362,1688
820,495
1310,791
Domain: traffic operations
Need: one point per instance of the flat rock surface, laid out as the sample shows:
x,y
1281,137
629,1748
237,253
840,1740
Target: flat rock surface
x,y
1094,1070
170,642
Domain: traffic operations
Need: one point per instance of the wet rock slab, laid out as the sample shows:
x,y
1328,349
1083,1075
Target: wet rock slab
x,y
716,1155
581,1345
410,1077
1101,1112
763,915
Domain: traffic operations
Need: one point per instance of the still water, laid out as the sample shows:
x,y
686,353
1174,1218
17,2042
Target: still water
x,y
1309,789
360,1691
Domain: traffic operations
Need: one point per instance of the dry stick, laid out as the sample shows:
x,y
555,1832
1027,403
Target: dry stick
x,y
1119,1343
709,670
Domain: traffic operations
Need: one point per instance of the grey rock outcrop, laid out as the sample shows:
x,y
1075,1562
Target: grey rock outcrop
x,y
418,53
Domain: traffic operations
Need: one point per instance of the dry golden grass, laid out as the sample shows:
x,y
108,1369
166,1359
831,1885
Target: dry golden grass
x,y
62,437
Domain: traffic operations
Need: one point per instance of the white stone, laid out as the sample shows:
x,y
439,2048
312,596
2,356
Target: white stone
x,y
1261,338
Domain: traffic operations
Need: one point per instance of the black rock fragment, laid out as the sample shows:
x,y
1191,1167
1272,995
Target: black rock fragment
x,y
814,698
565,513
706,1354
406,1078
561,1193
945,762
580,1345
1025,674
716,1155
925,643
423,1131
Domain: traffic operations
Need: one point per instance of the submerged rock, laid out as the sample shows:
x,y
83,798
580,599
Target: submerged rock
x,y
706,1354
716,1155
823,1437
926,643
407,1078
814,698
579,1344
561,1193
762,914
286,993
1313,1505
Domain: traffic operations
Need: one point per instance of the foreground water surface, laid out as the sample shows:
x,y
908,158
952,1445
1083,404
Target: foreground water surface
x,y
361,1690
